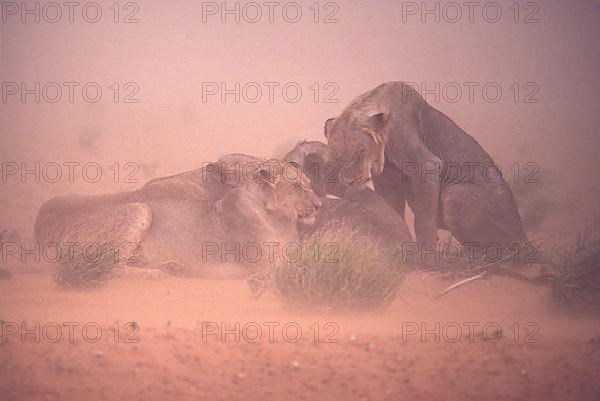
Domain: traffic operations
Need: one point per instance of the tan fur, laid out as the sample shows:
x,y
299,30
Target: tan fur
x,y
171,219
405,138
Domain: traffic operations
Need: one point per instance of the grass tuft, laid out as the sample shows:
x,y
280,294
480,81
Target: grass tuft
x,y
337,268
577,285
87,267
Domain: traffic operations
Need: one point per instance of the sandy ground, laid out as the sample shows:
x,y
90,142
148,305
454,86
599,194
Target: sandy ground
x,y
177,348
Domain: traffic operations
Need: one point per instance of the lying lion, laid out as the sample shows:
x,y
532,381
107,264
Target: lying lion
x,y
188,222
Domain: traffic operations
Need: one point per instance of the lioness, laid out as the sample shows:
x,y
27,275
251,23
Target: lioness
x,y
414,152
189,221
363,210
315,160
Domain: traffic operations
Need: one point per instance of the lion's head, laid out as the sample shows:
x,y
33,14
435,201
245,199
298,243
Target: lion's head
x,y
356,140
315,160
268,197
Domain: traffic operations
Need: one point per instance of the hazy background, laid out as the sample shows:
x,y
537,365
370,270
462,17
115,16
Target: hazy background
x,y
170,52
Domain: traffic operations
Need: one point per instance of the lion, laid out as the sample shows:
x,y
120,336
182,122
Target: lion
x,y
184,223
415,154
363,210
315,160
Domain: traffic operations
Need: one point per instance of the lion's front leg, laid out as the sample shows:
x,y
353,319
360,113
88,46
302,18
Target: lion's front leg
x,y
409,152
425,206
393,187
424,200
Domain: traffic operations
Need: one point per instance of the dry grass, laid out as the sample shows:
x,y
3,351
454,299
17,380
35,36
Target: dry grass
x,y
577,285
86,269
338,269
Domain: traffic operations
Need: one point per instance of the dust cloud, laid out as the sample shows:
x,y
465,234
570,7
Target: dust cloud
x,y
148,102
170,53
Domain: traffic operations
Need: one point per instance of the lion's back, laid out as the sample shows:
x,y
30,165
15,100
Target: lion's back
x,y
69,219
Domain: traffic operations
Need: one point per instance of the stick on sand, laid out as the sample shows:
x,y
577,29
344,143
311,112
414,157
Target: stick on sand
x,y
460,283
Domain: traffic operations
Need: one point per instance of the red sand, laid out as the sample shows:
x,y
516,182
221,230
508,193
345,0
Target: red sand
x,y
555,358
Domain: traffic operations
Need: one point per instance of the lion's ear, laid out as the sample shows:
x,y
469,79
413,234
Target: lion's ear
x,y
327,127
379,121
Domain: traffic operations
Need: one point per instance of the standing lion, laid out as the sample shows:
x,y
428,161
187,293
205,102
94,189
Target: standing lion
x,y
416,154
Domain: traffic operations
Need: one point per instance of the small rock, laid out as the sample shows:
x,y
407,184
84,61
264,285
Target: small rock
x,y
352,338
295,365
241,376
523,372
98,353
